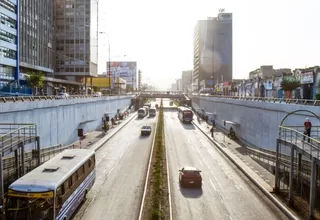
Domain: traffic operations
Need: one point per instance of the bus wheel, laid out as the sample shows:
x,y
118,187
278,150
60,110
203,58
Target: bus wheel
x,y
85,196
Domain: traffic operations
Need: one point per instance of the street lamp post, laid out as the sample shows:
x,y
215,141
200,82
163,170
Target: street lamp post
x,y
109,69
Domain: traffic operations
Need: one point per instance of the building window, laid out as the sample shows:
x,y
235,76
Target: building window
x,y
8,53
4,19
8,5
6,36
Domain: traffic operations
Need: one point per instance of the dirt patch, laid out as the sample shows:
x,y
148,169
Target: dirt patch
x,y
156,204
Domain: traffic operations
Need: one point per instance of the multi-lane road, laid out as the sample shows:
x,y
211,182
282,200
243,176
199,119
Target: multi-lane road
x,y
121,171
225,193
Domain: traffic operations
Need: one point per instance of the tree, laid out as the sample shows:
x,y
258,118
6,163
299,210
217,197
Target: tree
x,y
288,85
35,80
95,89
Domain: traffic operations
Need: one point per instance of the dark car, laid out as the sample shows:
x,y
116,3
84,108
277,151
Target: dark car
x,y
145,130
190,176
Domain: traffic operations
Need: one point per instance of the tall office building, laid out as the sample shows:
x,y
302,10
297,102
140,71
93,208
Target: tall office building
x,y
36,36
212,51
9,57
186,81
76,23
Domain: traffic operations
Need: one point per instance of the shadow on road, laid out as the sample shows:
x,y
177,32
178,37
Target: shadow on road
x,y
187,126
191,192
144,137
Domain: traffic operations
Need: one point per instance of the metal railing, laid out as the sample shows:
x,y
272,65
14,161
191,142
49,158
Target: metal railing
x,y
13,134
265,99
309,145
5,99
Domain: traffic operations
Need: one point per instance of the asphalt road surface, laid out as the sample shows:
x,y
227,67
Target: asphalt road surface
x,y
121,171
226,193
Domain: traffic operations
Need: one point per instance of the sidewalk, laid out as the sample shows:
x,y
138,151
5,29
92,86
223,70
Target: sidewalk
x,y
93,139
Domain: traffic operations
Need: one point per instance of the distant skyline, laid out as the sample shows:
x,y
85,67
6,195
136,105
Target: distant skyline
x,y
159,35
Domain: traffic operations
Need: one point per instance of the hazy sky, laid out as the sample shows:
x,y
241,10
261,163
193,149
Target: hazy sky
x,y
159,34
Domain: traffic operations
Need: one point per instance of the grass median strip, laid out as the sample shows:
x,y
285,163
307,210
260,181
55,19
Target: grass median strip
x,y
157,202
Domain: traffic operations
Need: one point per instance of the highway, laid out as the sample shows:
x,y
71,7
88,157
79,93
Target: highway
x,y
121,171
226,193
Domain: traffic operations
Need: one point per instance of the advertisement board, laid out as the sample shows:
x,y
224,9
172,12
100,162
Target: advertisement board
x,y
124,70
306,77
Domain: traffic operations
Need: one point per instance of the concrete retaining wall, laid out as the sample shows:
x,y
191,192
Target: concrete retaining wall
x,y
259,121
58,120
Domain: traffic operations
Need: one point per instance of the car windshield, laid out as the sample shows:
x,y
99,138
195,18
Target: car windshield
x,y
141,111
152,110
191,172
29,208
146,127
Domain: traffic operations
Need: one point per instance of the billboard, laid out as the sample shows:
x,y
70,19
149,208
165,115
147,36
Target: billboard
x,y
124,70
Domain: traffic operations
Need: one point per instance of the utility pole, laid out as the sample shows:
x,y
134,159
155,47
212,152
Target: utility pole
x,y
109,69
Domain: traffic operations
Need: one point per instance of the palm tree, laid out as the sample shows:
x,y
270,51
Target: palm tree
x,y
289,84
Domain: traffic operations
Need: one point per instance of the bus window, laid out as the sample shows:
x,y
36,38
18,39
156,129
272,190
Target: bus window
x,y
70,182
59,191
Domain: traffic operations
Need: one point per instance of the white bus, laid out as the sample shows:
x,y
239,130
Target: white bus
x,y
185,115
53,190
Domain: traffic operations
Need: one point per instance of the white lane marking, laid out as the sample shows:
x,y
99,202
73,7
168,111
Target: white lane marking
x,y
201,163
215,189
121,154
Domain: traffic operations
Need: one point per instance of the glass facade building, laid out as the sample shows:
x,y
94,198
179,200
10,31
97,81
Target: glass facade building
x,y
36,37
9,67
76,26
212,51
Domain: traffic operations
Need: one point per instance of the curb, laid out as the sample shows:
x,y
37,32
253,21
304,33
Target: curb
x,y
148,172
168,182
100,143
284,209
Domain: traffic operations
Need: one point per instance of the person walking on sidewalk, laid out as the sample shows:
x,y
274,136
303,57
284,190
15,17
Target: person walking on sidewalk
x,y
212,128
307,127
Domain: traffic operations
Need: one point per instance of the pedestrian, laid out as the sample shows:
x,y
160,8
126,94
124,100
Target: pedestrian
x,y
307,129
212,129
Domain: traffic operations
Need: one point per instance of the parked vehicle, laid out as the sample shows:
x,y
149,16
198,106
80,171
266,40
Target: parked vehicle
x,y
62,95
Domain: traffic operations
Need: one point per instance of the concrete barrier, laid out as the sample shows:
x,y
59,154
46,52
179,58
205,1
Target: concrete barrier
x,y
58,121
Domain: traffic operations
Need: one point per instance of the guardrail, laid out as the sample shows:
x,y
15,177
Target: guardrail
x,y
14,134
300,140
5,99
266,99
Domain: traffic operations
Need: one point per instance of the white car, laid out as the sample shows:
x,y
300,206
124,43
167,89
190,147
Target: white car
x,y
97,94
63,95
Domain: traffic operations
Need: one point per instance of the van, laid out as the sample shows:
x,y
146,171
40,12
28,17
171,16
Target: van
x,y
152,112
142,113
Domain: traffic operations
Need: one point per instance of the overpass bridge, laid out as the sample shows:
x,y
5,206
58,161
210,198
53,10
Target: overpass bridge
x,y
163,94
